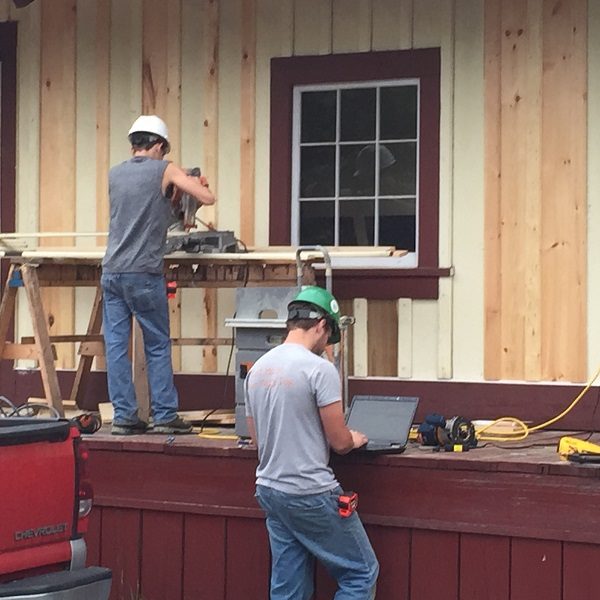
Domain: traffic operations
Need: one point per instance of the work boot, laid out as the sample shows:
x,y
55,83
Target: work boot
x,y
136,428
174,426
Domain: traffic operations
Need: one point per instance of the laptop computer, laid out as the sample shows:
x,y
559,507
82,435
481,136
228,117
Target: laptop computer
x,y
385,420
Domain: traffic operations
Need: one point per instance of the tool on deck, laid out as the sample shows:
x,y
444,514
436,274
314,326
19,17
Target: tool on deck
x,y
579,451
347,503
181,238
453,435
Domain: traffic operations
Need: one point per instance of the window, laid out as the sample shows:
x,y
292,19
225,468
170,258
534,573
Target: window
x,y
355,161
354,164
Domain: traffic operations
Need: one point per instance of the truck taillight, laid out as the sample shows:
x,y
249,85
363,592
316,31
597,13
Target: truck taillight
x,y
86,499
85,491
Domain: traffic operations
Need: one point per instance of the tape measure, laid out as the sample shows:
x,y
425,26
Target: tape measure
x,y
453,435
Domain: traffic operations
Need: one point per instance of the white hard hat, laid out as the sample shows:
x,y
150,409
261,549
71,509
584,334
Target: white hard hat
x,y
151,124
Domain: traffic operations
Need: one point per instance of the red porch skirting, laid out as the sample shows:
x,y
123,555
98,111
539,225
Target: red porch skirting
x,y
179,522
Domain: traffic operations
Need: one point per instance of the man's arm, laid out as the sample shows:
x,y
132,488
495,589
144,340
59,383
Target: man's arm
x,y
340,438
193,186
251,429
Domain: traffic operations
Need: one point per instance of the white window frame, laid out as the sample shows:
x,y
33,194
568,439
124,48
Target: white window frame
x,y
409,260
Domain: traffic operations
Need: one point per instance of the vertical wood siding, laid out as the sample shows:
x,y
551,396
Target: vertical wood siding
x,y
536,173
184,556
87,69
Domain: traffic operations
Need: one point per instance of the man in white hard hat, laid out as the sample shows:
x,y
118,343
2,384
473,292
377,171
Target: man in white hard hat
x,y
133,281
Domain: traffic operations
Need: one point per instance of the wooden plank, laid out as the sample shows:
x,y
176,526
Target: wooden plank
x,y
392,24
434,548
204,563
361,337
40,329
270,42
425,315
492,360
593,145
433,26
580,579
93,536
102,74
351,25
466,349
484,567
193,16
120,549
140,372
564,189
533,195
57,138
84,366
201,341
7,309
382,338
19,351
228,150
312,27
162,554
28,134
210,68
248,121
85,123
535,569
247,574
347,308
405,337
516,110
445,328
161,83
392,548
125,74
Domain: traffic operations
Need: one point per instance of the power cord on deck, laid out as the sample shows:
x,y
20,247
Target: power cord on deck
x,y
524,430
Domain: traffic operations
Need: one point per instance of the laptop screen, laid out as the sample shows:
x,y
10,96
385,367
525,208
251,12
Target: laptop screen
x,y
383,418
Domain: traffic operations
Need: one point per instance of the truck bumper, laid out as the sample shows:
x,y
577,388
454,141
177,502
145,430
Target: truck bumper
x,y
92,583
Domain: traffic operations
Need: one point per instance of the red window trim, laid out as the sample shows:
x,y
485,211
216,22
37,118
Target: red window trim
x,y
423,64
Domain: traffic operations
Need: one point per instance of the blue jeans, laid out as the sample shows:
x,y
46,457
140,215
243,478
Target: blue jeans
x,y
145,296
302,528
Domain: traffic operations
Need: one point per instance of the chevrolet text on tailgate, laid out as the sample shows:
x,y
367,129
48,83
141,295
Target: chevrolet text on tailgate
x,y
45,503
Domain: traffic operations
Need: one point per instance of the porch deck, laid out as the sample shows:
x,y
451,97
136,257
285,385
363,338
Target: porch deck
x,y
176,519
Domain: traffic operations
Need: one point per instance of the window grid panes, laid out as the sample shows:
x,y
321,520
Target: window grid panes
x,y
355,172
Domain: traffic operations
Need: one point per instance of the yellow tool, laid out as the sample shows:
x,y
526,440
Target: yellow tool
x,y
576,450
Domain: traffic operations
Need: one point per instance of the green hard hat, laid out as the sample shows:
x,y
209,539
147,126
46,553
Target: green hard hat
x,y
326,304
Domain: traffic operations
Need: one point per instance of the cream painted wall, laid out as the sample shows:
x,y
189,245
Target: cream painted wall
x,y
446,336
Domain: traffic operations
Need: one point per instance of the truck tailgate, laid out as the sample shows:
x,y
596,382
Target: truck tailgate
x,y
38,491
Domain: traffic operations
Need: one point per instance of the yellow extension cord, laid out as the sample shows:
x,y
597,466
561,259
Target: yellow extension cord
x,y
523,430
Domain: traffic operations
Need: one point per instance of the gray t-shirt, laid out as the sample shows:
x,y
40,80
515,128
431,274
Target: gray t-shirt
x,y
284,390
139,217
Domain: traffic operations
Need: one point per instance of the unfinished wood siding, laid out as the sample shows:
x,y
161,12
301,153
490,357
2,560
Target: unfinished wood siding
x,y
512,175
536,177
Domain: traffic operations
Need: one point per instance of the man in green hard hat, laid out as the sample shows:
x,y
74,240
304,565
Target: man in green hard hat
x,y
295,415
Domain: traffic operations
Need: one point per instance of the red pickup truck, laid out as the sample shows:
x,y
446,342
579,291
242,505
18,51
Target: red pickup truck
x,y
45,502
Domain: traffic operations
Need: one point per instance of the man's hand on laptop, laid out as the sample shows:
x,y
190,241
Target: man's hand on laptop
x,y
358,439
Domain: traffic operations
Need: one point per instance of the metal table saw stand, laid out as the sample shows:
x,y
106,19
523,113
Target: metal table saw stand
x,y
260,324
